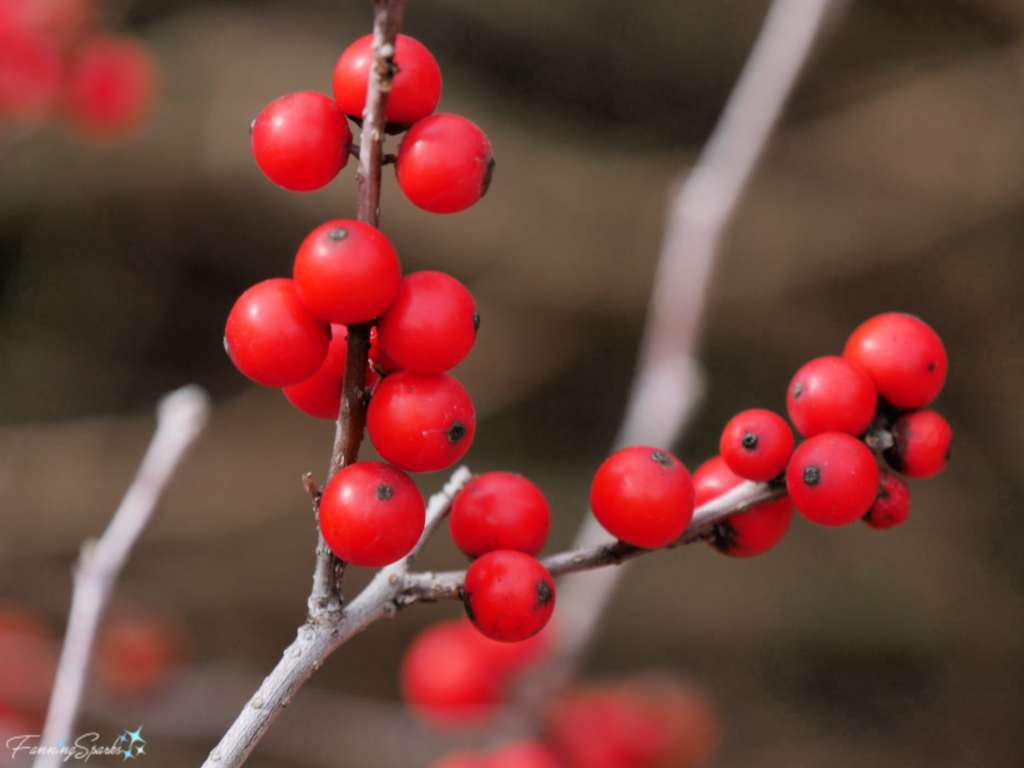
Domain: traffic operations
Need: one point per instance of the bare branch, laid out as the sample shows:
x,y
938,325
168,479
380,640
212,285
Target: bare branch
x,y
666,386
181,417
317,640
431,587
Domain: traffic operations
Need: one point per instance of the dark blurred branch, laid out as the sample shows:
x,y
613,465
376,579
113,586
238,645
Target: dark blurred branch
x,y
667,381
431,587
181,417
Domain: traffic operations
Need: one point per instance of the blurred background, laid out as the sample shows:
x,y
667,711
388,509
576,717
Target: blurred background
x,y
896,182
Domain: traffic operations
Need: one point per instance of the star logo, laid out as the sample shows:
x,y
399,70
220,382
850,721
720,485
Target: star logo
x,y
135,745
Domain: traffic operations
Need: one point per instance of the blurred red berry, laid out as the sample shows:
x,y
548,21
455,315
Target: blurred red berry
x,y
508,596
138,654
745,534
757,444
832,479
892,505
371,514
30,74
421,423
111,87
431,325
643,496
444,164
415,89
271,337
500,510
301,141
903,356
346,272
523,754
922,444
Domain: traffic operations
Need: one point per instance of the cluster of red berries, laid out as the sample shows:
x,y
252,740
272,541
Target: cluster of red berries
x,y
54,62
872,399
444,163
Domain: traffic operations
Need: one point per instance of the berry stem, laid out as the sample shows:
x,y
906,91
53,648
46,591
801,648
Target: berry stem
x,y
325,599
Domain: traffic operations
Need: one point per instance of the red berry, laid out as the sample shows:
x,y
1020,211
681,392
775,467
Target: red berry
x,y
60,21
301,141
30,74
643,496
138,655
832,479
346,272
509,596
111,87
421,423
320,395
903,356
831,394
444,164
892,505
431,325
272,338
757,444
371,514
748,533
500,510
922,444
415,89
447,676
603,729
523,754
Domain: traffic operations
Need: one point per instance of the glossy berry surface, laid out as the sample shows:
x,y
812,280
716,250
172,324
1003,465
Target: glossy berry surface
x,y
301,141
903,356
832,479
421,423
447,677
346,272
508,596
922,446
831,394
431,325
371,514
415,89
271,337
319,396
111,87
757,444
30,74
892,506
499,510
745,534
444,164
643,496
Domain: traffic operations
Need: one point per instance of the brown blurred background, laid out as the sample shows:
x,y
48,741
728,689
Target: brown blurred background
x,y
895,183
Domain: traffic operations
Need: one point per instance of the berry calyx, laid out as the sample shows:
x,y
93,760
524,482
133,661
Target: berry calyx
x,y
831,394
499,510
892,505
832,479
903,356
509,596
415,88
301,141
643,496
444,164
371,514
320,395
922,444
421,423
111,87
431,325
757,444
745,534
272,338
346,272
